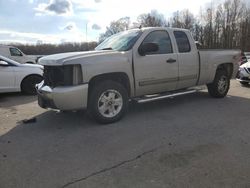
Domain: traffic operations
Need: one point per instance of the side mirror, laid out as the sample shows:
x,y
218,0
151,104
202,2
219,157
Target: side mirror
x,y
3,63
148,48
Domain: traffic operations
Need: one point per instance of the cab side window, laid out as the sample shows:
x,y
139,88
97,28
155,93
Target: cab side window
x,y
182,41
162,39
15,52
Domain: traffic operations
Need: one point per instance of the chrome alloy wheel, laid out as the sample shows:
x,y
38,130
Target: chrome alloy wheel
x,y
110,103
222,84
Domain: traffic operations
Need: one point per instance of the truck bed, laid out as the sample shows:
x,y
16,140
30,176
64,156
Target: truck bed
x,y
217,56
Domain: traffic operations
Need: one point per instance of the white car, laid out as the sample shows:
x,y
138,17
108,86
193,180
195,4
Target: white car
x,y
244,73
15,77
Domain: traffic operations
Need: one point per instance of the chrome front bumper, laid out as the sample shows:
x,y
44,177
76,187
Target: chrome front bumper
x,y
63,97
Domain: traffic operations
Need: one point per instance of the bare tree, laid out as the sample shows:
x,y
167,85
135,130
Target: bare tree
x,y
245,31
115,27
224,25
152,19
183,19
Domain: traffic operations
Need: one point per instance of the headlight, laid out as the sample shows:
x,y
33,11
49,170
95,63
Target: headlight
x,y
66,75
241,69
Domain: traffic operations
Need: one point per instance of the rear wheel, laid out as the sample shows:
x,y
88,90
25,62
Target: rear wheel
x,y
108,102
220,86
29,83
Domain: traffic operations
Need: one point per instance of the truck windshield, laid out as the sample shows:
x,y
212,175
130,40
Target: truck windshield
x,y
122,41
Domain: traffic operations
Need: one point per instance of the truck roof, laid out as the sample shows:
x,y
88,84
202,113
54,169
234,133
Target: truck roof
x,y
166,28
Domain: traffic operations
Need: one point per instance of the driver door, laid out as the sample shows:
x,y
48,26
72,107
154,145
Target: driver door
x,y
157,71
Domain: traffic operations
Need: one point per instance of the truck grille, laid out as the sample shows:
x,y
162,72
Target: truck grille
x,y
58,75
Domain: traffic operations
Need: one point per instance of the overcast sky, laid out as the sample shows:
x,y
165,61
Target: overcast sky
x,y
56,21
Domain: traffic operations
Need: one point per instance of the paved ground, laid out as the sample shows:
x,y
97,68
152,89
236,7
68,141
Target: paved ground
x,y
189,141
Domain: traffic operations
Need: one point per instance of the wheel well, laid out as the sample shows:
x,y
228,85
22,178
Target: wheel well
x,y
119,77
30,62
228,67
27,77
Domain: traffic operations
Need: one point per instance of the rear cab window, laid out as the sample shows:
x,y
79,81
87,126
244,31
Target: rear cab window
x,y
182,42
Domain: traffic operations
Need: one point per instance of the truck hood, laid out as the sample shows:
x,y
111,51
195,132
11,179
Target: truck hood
x,y
68,58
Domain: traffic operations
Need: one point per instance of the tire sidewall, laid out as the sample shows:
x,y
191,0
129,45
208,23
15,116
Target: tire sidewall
x,y
26,84
95,94
220,75
213,87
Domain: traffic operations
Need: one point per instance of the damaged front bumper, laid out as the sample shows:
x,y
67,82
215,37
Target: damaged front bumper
x,y
62,97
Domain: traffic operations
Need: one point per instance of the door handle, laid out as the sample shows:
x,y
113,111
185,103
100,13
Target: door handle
x,y
171,60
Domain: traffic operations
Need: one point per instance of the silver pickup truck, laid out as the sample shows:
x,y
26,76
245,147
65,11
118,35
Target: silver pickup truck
x,y
141,64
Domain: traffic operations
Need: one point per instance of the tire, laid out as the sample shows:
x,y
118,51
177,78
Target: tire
x,y
29,83
244,83
29,62
220,86
108,102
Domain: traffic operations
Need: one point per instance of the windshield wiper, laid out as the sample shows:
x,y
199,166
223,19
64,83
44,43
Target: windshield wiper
x,y
109,48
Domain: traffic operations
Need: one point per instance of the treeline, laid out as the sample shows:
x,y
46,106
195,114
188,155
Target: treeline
x,y
47,49
225,25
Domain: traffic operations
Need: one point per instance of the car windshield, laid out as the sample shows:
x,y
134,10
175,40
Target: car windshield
x,y
122,41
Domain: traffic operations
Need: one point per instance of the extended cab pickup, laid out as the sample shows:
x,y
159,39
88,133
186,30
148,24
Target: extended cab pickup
x,y
140,64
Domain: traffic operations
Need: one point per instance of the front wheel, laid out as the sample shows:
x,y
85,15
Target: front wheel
x,y
108,102
29,83
220,86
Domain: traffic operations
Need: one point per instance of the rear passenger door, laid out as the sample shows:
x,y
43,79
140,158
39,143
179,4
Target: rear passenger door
x,y
188,60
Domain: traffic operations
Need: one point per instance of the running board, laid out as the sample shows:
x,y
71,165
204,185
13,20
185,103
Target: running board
x,y
156,97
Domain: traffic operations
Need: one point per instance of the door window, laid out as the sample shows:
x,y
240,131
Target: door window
x,y
15,52
162,39
182,41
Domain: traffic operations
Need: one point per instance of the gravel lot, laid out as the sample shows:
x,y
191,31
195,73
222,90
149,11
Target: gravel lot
x,y
189,141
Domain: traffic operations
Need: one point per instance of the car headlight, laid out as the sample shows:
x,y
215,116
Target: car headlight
x,y
241,69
